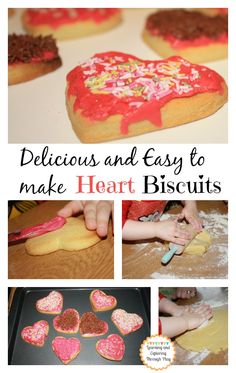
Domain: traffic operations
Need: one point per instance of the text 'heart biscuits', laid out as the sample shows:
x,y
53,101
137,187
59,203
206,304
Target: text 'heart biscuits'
x,y
126,322
51,304
92,326
101,302
36,334
66,349
112,347
68,322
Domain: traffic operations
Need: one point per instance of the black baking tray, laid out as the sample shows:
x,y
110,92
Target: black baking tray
x,y
23,313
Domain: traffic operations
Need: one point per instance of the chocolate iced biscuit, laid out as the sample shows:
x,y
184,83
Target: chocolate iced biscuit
x,y
30,57
186,25
195,36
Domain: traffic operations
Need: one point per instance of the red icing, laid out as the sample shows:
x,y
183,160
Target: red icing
x,y
116,83
36,334
47,56
113,347
56,17
199,42
66,349
38,230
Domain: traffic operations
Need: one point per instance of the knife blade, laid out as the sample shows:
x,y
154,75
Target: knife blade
x,y
21,235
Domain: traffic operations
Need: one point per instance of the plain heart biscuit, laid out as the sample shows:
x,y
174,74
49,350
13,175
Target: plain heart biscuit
x,y
36,334
112,347
68,322
66,349
92,326
51,304
126,322
101,302
73,236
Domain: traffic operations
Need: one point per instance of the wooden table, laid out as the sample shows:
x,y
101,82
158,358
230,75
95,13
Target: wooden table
x,y
143,259
207,295
95,262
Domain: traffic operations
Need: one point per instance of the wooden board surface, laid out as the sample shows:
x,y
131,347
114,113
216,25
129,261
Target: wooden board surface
x,y
214,296
93,263
143,259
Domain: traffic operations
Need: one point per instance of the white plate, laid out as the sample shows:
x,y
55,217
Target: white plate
x,y
37,112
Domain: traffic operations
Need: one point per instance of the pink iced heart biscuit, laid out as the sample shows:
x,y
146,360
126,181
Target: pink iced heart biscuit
x,y
51,304
36,334
126,322
66,349
101,302
112,347
68,322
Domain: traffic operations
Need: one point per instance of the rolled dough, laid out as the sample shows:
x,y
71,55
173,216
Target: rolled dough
x,y
213,337
73,236
199,245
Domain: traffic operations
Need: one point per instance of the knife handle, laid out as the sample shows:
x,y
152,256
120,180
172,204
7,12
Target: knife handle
x,y
169,255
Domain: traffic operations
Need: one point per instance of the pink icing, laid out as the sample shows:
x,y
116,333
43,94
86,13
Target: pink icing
x,y
66,349
126,322
100,299
37,333
38,230
52,303
112,347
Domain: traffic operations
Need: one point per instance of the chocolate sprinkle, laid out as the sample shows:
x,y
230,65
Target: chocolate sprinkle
x,y
186,25
90,324
68,320
22,48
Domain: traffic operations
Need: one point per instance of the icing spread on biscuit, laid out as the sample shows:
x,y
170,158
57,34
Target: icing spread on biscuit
x,y
56,17
51,303
113,347
66,349
126,322
36,334
116,83
100,299
183,29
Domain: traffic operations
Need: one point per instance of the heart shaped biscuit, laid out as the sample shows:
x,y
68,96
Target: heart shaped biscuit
x,y
68,322
51,304
126,322
66,349
92,326
36,334
115,95
112,347
101,302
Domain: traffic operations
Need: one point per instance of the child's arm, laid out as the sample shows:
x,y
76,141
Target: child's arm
x,y
173,326
166,230
190,214
96,214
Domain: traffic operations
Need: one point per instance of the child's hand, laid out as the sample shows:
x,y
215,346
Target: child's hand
x,y
169,230
190,214
185,293
197,315
96,214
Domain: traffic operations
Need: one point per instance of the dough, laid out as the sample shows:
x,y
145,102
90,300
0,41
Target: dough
x,y
213,337
199,245
72,236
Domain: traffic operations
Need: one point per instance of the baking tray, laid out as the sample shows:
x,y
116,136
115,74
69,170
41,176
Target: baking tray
x,y
24,313
37,110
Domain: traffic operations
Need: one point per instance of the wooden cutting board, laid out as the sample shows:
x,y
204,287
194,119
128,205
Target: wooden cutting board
x,y
93,263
